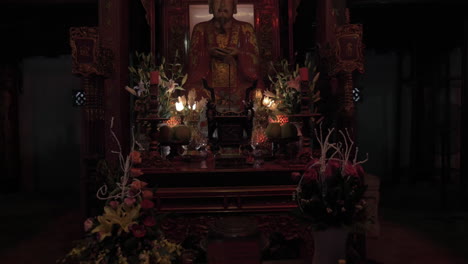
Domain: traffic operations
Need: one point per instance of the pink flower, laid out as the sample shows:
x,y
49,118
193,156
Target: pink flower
x,y
136,157
129,201
138,230
88,224
138,184
171,86
147,194
114,204
149,221
147,204
135,172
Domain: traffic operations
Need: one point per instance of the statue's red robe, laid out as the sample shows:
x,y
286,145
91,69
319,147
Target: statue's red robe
x,y
228,81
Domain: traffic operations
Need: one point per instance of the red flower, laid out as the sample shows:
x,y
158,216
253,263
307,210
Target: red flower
x,y
350,170
295,176
138,230
129,201
310,175
149,221
147,204
332,166
360,170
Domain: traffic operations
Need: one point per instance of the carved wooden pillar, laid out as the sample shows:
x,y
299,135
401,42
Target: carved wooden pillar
x,y
341,48
113,31
84,42
92,63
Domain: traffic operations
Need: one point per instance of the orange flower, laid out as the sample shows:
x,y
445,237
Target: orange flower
x,y
136,157
147,194
135,172
138,184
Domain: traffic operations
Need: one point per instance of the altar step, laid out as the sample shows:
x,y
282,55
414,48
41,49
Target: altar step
x,y
226,199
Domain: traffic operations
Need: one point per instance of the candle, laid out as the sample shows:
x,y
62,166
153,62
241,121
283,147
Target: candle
x,y
179,106
154,77
304,73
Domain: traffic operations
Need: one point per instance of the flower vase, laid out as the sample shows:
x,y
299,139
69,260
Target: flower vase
x,y
329,245
197,137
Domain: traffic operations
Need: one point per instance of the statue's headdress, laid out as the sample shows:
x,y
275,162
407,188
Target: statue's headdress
x,y
211,2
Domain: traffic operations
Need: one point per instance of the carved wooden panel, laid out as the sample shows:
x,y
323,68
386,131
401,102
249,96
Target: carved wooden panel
x,y
84,42
176,27
348,48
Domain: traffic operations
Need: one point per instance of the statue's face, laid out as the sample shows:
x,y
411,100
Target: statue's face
x,y
223,9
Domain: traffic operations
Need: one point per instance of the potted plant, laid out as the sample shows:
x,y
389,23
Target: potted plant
x,y
330,196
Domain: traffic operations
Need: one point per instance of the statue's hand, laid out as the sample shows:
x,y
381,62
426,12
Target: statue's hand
x,y
219,53
232,51
229,59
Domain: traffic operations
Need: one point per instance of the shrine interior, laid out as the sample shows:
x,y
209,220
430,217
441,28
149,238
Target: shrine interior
x,y
409,114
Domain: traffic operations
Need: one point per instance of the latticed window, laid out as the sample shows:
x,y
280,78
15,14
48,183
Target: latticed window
x,y
79,98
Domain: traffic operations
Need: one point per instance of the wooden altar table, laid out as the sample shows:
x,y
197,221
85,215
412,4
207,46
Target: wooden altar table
x,y
186,188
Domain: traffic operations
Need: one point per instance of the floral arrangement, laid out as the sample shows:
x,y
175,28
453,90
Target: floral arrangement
x,y
170,79
128,230
331,189
189,107
285,93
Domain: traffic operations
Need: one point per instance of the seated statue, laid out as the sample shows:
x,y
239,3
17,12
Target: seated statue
x,y
224,52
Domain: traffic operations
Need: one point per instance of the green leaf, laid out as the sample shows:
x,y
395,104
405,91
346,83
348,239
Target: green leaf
x,y
184,79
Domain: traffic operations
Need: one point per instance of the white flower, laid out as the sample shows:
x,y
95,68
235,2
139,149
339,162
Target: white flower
x,y
182,100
